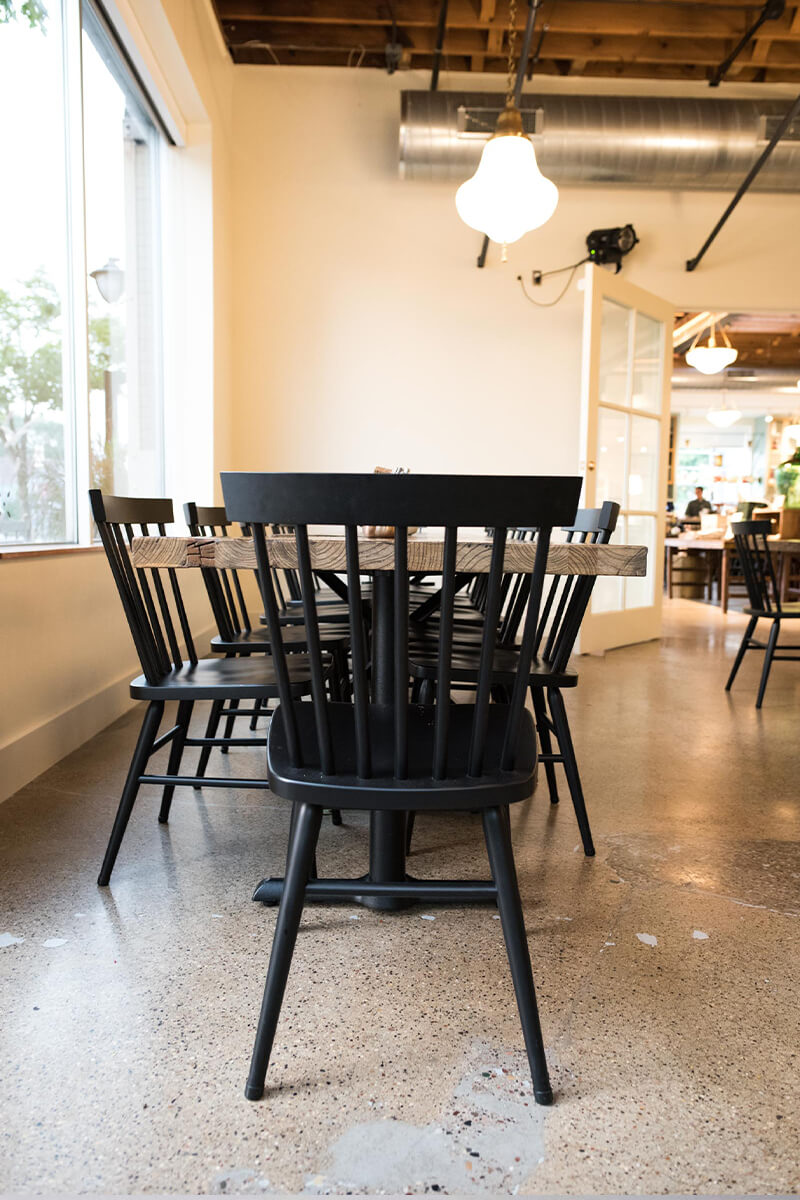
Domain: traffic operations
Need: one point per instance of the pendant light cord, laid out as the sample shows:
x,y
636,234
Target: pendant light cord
x,y
512,45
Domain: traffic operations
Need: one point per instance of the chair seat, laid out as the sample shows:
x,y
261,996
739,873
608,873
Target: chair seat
x,y
383,791
294,638
465,664
788,611
227,678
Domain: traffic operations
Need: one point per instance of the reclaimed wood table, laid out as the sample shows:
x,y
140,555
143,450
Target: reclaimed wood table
x,y
387,855
725,549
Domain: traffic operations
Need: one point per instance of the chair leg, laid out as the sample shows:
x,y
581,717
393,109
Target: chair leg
x,y
740,653
336,816
410,817
564,739
301,856
231,717
211,731
256,713
426,692
501,860
543,729
175,753
144,747
771,644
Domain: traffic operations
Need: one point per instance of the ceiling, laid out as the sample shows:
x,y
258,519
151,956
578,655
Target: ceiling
x,y
618,39
769,340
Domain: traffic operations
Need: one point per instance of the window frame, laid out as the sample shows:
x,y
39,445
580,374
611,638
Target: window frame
x,y
75,17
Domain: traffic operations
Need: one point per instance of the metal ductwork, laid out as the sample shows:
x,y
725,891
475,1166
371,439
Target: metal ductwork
x,y
738,379
638,141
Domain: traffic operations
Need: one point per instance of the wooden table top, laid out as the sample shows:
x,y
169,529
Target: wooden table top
x,y
778,545
425,551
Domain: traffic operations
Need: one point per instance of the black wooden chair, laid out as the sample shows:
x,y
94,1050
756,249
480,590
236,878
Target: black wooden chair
x,y
559,623
235,633
159,630
401,756
765,601
332,602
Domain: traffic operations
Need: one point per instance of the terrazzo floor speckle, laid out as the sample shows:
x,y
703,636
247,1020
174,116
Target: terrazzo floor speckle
x,y
667,971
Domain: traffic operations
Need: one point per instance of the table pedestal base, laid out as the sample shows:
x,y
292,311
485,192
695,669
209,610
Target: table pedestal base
x,y
386,895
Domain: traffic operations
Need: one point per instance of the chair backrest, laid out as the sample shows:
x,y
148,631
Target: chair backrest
x,y
400,501
748,507
569,595
153,623
756,563
223,586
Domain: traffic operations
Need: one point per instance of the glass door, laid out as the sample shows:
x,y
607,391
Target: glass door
x,y
627,360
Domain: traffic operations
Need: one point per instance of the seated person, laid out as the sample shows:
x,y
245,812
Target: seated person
x,y
699,504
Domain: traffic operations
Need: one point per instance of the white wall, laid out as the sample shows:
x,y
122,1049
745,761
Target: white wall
x,y
363,331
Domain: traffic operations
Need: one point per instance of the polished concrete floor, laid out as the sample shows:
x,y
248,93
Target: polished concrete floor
x,y
667,970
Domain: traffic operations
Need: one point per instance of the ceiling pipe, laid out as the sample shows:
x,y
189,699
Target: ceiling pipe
x,y
669,142
739,379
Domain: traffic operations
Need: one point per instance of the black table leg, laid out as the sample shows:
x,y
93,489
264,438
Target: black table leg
x,y
387,830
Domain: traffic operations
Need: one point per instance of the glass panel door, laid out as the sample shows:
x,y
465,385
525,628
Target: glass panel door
x,y
627,343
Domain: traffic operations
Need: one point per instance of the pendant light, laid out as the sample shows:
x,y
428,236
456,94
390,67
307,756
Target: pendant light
x,y
507,196
711,358
723,417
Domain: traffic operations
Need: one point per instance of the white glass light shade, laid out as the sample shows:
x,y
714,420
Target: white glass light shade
x,y
508,196
723,418
110,280
710,360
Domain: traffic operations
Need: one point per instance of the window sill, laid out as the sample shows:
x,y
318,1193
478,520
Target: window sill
x,y
46,551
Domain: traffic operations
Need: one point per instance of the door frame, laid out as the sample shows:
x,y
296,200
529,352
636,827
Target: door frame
x,y
607,630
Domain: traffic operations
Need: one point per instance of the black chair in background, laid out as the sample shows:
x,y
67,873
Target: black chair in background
x,y
159,629
332,603
566,604
748,507
765,602
397,755
567,597
235,633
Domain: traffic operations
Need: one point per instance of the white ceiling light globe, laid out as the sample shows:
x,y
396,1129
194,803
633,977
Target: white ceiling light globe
x,y
507,196
710,360
723,417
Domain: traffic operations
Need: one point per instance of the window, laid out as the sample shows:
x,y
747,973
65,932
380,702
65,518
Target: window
x,y
34,383
80,320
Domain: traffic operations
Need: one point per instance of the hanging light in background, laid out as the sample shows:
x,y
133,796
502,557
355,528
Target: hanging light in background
x,y
711,358
723,417
507,196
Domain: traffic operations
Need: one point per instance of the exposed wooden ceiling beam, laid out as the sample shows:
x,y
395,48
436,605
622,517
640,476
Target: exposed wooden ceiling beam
x,y
587,49
684,20
660,39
